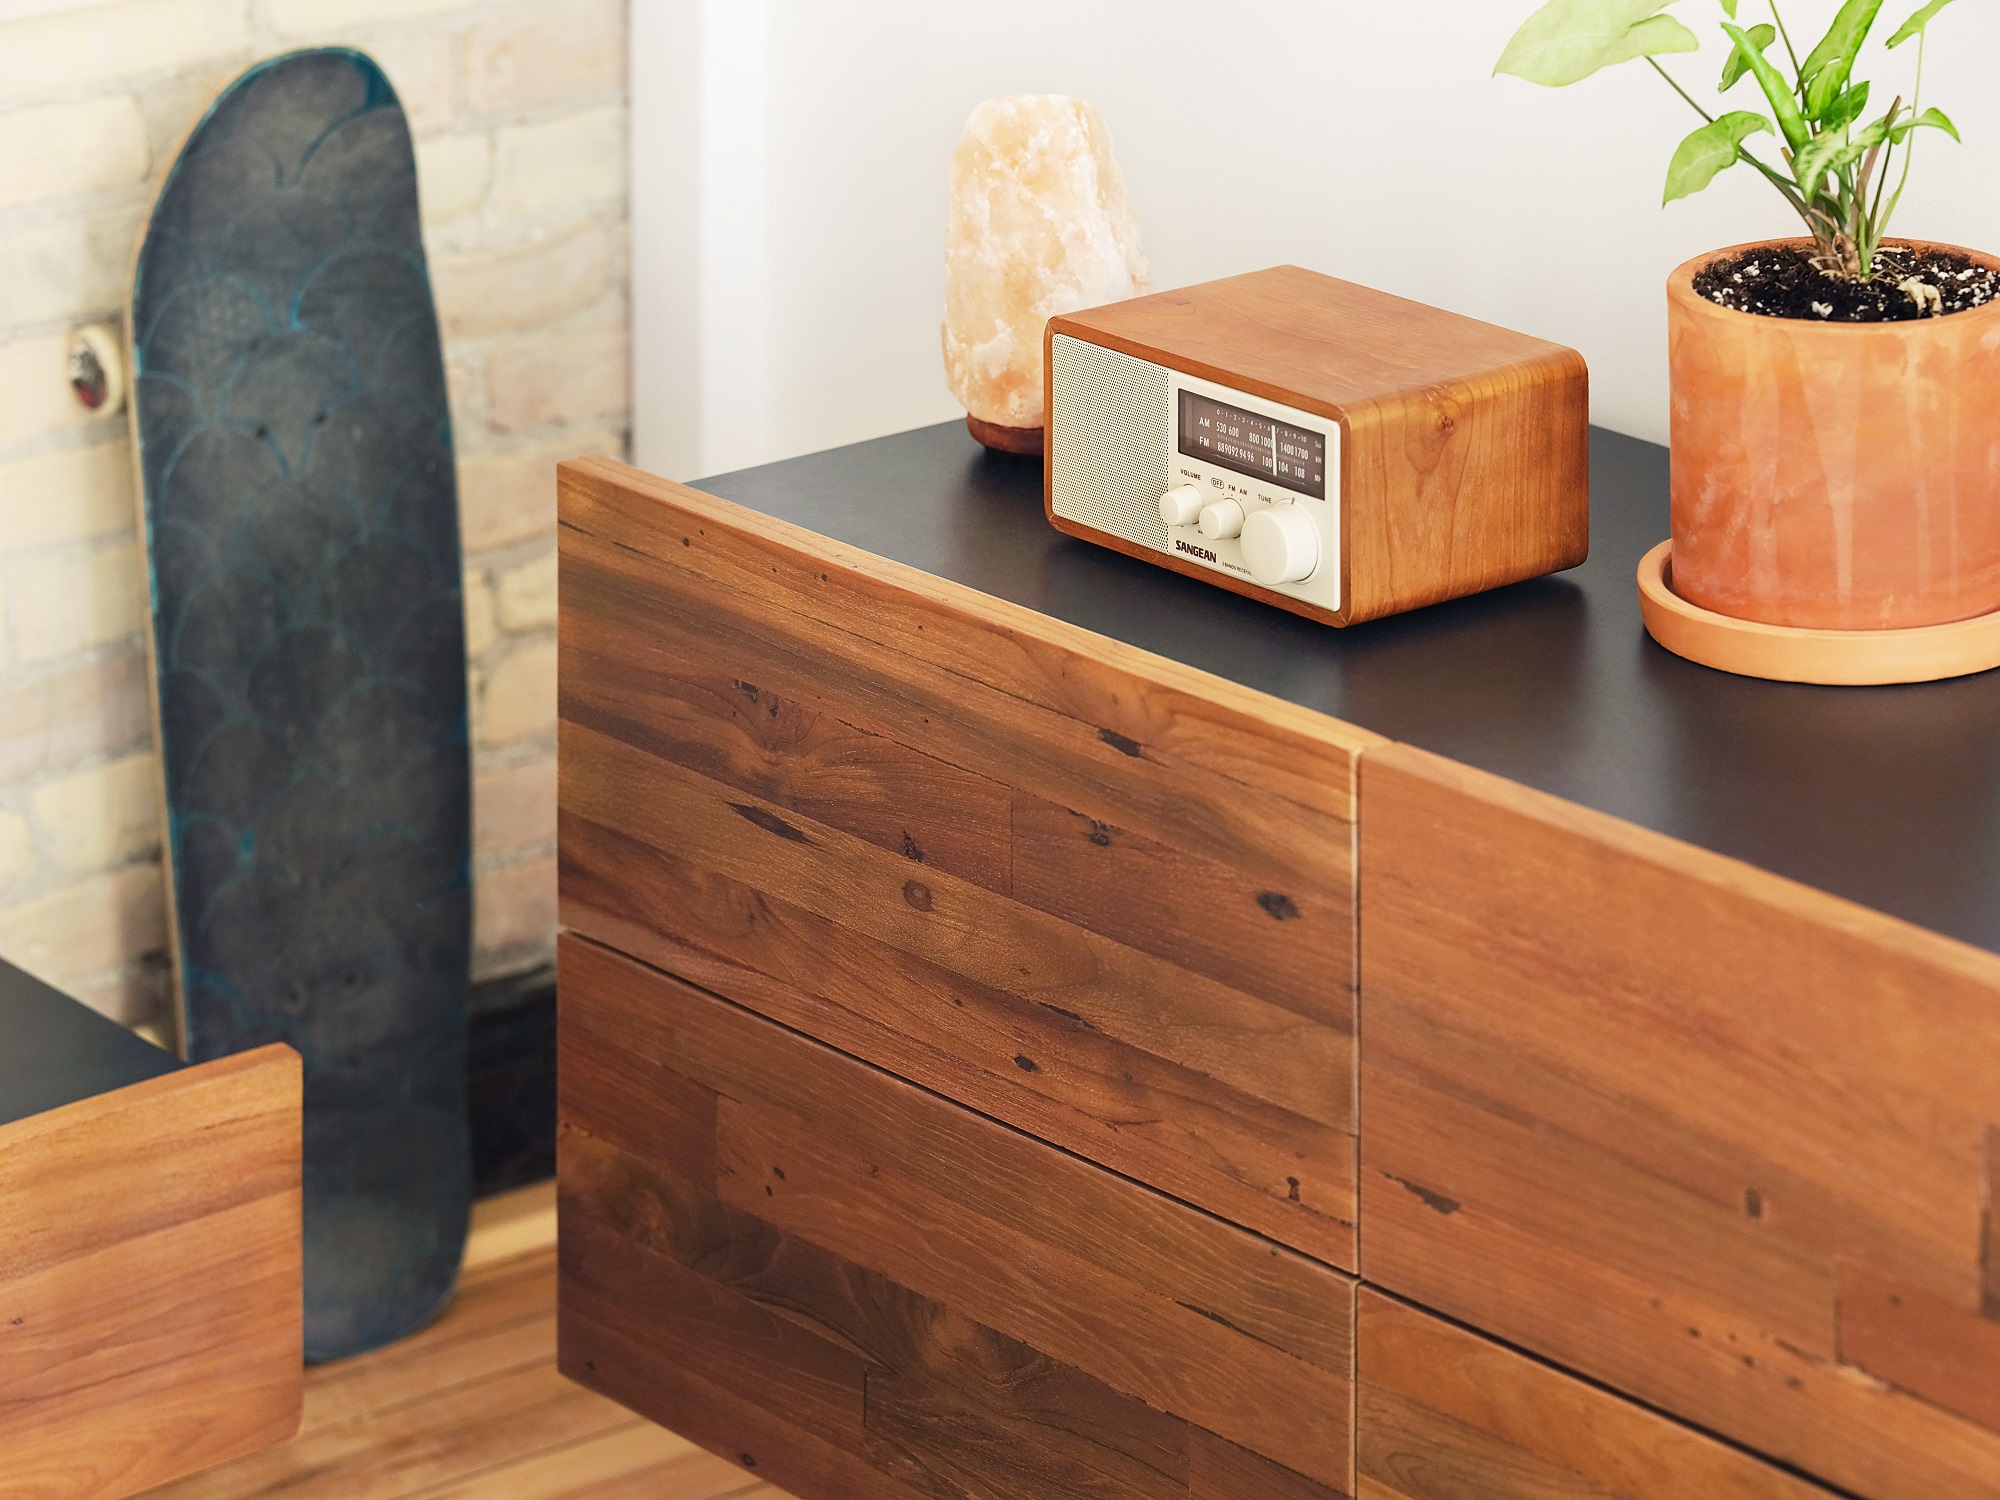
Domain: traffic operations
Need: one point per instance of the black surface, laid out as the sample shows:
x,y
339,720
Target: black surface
x,y
302,527
55,1050
511,1082
1889,796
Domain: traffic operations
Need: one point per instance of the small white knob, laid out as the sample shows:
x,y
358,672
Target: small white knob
x,y
1221,519
1281,545
1181,505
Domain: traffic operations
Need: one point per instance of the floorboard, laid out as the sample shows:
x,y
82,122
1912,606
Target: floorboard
x,y
472,1408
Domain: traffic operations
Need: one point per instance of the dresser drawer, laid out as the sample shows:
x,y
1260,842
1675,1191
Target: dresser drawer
x,y
1717,1140
858,1288
1088,892
1444,1414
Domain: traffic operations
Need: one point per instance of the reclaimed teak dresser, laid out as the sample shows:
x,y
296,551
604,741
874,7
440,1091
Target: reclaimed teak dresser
x,y
1035,1026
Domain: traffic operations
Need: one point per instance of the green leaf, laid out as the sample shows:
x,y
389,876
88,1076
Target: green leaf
x,y
1568,40
1729,8
1845,110
1916,24
1824,72
1776,90
1709,150
1933,117
1826,152
1761,36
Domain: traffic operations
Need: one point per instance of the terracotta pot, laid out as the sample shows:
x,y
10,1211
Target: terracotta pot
x,y
1838,476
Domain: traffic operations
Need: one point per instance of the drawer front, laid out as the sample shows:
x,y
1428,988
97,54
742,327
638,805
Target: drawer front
x,y
858,1288
1719,1141
1098,896
1444,1414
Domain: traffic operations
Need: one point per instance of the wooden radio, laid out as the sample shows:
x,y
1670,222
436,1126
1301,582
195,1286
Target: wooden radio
x,y
1329,449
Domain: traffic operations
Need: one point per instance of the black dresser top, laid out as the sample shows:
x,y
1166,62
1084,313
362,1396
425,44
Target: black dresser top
x,y
1889,796
55,1050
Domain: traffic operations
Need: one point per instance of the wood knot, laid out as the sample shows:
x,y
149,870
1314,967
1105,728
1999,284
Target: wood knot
x,y
917,894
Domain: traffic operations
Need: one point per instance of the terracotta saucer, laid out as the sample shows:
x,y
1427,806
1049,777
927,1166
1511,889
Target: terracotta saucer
x,y
1784,653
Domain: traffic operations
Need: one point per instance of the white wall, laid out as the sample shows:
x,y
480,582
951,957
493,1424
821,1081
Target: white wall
x,y
789,165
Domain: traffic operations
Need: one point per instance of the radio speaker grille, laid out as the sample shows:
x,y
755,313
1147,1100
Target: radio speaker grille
x,y
1108,440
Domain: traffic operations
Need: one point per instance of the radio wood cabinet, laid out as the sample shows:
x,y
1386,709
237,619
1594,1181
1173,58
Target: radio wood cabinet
x,y
1000,1062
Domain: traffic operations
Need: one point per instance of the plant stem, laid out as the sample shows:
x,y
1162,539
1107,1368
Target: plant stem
x,y
1776,181
1789,50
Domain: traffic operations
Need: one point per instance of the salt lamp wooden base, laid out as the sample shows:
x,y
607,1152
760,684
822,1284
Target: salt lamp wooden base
x,y
1005,439
1784,653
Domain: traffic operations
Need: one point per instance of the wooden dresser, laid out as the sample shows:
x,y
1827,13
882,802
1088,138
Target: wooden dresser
x,y
150,1304
1018,1042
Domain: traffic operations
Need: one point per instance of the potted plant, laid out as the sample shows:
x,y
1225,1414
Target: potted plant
x,y
1836,397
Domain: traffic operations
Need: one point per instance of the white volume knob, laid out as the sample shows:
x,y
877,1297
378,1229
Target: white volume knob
x,y
1281,545
1181,505
1221,519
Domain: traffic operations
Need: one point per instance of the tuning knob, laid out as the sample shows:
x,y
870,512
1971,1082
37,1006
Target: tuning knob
x,y
1221,519
1280,545
1181,505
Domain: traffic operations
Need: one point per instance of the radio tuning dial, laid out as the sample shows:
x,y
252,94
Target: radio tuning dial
x,y
1221,520
1280,545
1181,505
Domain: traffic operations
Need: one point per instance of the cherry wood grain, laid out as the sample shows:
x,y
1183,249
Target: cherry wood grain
x,y
150,1312
1444,1414
955,839
1922,1344
776,1249
1464,446
1633,1106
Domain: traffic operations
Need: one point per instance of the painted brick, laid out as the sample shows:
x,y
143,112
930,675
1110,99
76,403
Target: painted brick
x,y
513,810
17,848
514,915
562,164
518,699
75,713
453,173
77,267
117,41
35,396
507,497
421,67
63,149
523,288
527,594
71,603
317,17
99,923
560,55
573,379
73,495
481,630
99,817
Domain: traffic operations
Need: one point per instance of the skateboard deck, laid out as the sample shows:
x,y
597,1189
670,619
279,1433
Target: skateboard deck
x,y
301,519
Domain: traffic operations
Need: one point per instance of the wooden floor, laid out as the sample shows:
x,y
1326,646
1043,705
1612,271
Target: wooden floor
x,y
472,1409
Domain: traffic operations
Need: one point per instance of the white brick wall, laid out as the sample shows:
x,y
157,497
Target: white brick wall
x,y
519,112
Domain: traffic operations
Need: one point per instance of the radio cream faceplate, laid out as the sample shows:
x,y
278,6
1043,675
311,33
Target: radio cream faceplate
x,y
1140,452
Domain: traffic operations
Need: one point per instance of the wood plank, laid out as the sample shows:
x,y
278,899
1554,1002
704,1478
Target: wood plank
x,y
1630,1103
1445,1414
700,1324
1252,1163
1263,1050
1990,1280
1231,1278
806,760
1942,1353
584,1470
1219,1470
1256,930
1216,725
1180,1360
614,1358
617,602
150,1313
